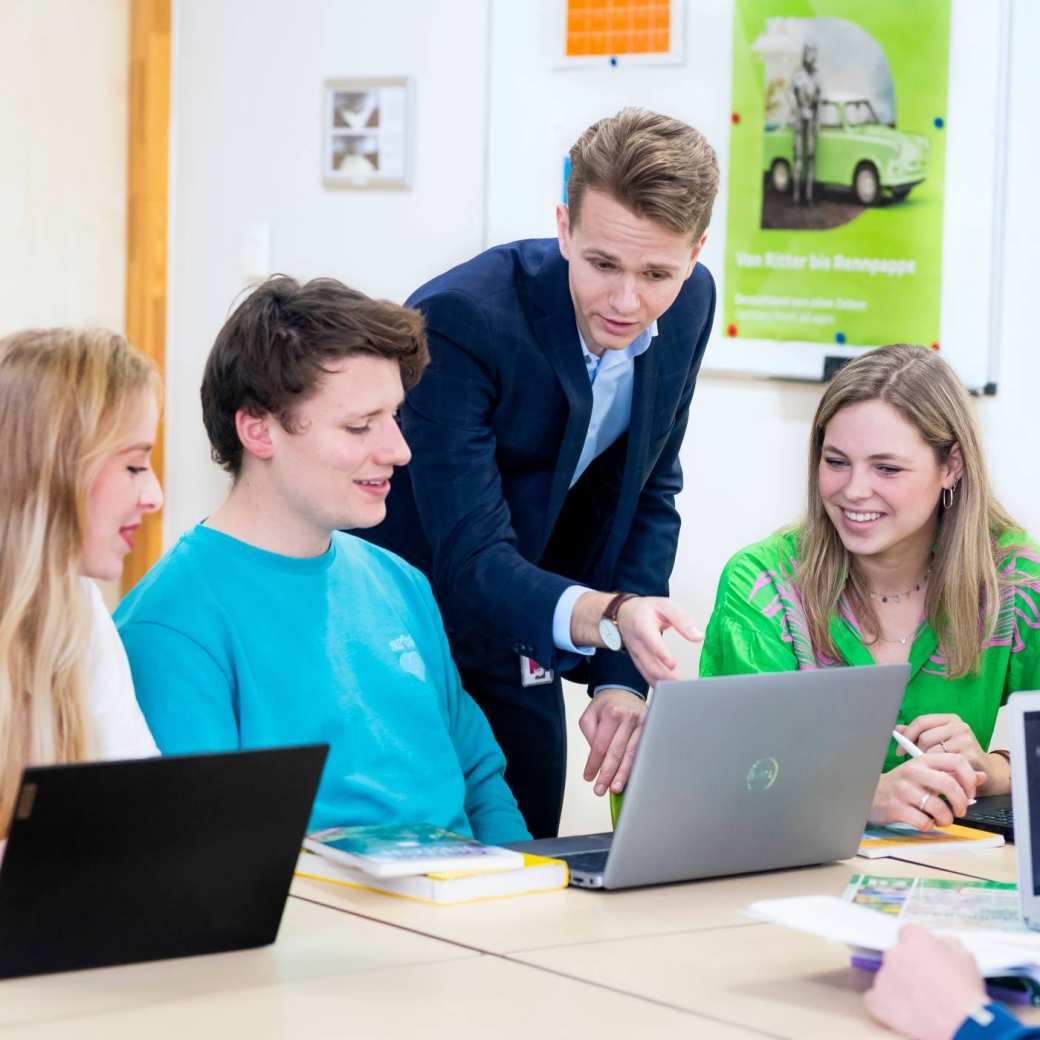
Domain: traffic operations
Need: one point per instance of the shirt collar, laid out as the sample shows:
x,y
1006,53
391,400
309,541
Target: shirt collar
x,y
638,346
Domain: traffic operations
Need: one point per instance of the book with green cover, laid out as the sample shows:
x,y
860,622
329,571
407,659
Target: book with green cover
x,y
419,848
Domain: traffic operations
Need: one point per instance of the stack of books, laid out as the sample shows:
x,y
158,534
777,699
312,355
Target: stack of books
x,y
425,863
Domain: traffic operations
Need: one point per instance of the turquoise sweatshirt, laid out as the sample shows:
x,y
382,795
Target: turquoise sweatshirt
x,y
234,647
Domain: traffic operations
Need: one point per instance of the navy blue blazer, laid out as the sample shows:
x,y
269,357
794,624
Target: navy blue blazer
x,y
496,426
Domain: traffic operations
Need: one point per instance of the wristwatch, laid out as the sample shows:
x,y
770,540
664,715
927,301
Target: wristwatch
x,y
609,631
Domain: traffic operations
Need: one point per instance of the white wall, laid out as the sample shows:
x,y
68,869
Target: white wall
x,y
1008,419
63,118
246,155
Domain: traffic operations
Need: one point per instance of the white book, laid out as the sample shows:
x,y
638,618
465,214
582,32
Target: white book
x,y
537,874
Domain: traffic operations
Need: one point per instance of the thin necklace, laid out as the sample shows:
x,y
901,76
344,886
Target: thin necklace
x,y
898,597
900,641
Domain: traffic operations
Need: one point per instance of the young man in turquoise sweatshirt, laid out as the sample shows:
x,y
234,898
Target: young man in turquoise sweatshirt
x,y
266,624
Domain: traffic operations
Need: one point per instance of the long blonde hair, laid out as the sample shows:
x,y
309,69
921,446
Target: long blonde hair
x,y
66,399
963,596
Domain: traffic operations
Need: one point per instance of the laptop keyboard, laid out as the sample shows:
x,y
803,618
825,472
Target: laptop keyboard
x,y
999,817
586,862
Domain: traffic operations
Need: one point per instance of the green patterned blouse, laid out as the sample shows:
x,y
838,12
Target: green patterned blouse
x,y
758,625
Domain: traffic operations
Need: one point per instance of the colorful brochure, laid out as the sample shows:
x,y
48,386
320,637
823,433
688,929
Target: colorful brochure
x,y
898,838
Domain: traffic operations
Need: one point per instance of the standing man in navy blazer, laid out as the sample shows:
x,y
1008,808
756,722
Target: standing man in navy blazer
x,y
545,438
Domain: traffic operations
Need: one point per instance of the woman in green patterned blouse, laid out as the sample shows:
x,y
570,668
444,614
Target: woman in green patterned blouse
x,y
904,556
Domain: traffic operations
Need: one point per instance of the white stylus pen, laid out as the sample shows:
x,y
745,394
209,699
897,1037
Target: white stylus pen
x,y
912,749
907,745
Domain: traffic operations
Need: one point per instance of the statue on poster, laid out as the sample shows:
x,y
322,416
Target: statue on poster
x,y
805,104
829,126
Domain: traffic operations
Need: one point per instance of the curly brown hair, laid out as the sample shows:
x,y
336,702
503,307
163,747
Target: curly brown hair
x,y
273,350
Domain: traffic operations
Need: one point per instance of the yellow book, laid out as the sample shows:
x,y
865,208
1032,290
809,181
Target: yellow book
x,y
890,841
538,874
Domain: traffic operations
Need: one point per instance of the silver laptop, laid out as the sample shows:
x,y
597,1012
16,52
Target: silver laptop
x,y
743,773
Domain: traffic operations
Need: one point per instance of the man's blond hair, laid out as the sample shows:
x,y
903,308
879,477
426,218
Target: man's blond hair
x,y
656,166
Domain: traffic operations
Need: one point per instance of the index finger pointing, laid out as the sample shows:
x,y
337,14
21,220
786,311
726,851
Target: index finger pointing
x,y
681,621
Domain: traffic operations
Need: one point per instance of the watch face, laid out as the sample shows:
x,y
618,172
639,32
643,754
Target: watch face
x,y
610,634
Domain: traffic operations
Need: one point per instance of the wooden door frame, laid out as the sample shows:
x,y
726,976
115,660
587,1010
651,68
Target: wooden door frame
x,y
148,157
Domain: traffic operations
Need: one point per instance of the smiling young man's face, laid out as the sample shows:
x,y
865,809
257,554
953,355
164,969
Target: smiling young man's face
x,y
625,271
333,469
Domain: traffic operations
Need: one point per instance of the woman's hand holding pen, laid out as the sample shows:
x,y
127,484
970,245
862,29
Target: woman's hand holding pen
x,y
949,733
910,793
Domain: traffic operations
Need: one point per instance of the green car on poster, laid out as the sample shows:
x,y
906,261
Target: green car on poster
x,y
854,152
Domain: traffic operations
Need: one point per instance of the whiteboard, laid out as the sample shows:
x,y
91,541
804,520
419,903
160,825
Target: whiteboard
x,y
537,109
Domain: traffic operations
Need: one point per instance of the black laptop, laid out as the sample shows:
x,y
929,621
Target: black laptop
x,y
115,862
992,813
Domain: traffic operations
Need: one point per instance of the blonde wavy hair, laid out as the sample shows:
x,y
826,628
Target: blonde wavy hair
x,y
67,397
964,591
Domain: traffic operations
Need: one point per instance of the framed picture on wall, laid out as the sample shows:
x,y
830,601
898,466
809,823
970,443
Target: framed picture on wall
x,y
367,132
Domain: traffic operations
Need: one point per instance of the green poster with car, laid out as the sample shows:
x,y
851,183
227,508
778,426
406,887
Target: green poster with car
x,y
837,152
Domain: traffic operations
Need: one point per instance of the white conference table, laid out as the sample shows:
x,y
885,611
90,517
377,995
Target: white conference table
x,y
312,945
333,974
984,864
687,946
578,916
478,996
676,961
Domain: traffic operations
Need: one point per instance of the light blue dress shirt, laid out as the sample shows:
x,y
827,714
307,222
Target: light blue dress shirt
x,y
612,377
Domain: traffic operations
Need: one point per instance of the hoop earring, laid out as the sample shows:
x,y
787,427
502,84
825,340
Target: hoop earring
x,y
947,497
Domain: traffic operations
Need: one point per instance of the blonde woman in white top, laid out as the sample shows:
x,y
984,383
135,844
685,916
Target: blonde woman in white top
x,y
78,416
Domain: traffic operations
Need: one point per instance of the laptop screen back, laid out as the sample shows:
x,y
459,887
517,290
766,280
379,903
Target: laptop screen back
x,y
1031,730
115,862
754,772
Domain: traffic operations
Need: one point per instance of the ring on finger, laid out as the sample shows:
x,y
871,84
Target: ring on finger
x,y
924,800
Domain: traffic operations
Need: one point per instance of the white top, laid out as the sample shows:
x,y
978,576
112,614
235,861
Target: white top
x,y
119,727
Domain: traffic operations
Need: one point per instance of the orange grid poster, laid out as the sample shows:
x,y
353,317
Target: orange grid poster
x,y
607,28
